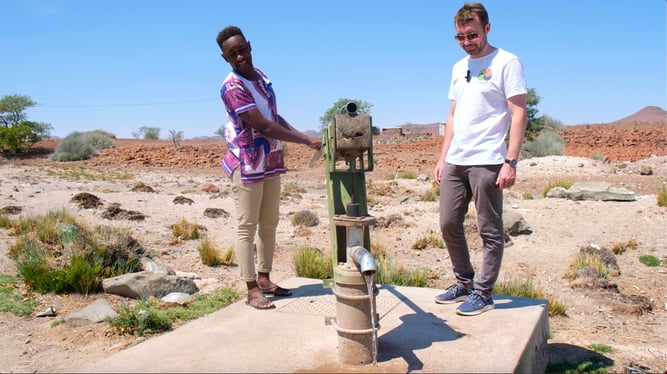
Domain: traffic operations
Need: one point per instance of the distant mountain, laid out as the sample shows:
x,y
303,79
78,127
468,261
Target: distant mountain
x,y
313,133
650,114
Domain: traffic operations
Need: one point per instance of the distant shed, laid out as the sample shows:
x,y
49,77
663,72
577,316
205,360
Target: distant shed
x,y
392,131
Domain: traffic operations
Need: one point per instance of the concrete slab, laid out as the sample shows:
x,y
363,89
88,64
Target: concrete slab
x,y
416,335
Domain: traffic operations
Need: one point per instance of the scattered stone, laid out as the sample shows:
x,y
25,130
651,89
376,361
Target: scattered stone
x,y
11,209
183,200
606,256
557,193
514,224
86,200
149,265
140,187
600,191
392,220
216,213
145,284
630,304
114,211
177,297
96,312
646,170
209,187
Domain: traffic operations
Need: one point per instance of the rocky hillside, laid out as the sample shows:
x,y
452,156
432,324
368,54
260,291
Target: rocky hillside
x,y
634,138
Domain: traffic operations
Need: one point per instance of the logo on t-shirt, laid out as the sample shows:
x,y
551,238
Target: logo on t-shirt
x,y
485,74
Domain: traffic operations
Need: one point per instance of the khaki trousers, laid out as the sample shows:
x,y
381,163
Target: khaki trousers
x,y
257,209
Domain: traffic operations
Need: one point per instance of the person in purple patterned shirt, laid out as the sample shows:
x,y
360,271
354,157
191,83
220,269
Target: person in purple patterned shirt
x,y
254,161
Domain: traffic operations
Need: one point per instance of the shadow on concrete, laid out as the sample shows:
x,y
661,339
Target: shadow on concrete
x,y
417,331
310,290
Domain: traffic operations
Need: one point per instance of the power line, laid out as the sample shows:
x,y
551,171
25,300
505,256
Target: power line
x,y
125,104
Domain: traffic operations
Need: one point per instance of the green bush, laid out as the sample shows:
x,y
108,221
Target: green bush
x,y
662,196
619,247
211,256
54,253
601,348
150,316
139,320
147,133
433,240
311,263
12,302
406,175
526,288
98,139
186,230
591,365
81,146
597,156
649,260
590,261
291,189
22,135
429,196
389,272
546,143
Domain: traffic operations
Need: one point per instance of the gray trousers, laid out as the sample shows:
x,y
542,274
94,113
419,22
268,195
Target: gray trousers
x,y
460,184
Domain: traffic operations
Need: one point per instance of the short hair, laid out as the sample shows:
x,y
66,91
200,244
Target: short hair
x,y
469,11
227,33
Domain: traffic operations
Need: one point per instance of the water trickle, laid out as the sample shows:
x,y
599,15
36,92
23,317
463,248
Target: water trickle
x,y
370,284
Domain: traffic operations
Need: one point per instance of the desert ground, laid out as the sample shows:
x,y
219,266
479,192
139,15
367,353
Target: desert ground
x,y
628,314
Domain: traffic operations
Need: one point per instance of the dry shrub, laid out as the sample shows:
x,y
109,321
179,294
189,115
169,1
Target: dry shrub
x,y
304,218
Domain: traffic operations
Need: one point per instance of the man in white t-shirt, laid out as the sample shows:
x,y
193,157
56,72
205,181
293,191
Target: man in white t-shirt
x,y
488,99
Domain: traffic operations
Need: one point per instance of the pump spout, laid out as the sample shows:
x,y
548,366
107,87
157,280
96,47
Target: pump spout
x,y
364,260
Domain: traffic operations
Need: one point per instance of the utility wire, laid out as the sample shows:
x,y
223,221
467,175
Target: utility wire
x,y
125,104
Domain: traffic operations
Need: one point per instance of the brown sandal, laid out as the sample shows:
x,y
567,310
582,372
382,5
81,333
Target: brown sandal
x,y
275,290
264,305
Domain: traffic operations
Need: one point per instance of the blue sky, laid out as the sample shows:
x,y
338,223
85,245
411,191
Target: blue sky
x,y
118,65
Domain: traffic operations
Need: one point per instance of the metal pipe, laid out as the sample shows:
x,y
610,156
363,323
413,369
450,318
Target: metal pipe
x,y
364,260
350,108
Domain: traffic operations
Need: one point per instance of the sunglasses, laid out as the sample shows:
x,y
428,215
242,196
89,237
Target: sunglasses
x,y
471,36
241,50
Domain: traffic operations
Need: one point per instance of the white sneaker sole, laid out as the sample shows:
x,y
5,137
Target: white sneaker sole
x,y
476,312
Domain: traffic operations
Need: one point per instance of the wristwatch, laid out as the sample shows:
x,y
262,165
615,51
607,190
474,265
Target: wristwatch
x,y
513,162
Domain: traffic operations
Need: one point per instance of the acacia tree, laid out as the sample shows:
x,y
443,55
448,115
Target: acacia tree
x,y
16,132
147,133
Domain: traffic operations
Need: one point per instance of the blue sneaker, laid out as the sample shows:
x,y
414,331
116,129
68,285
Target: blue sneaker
x,y
475,304
454,294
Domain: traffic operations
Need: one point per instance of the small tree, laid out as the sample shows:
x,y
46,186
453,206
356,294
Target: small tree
x,y
147,132
535,124
16,132
176,137
328,116
12,109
